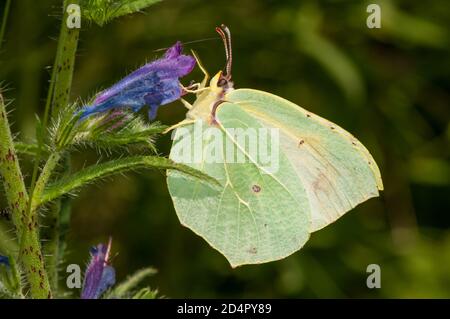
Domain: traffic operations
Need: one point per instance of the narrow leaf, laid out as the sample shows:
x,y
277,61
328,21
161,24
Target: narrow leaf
x,y
146,293
127,137
132,282
99,171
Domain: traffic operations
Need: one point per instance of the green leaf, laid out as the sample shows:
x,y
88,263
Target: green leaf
x,y
103,11
132,282
65,127
99,171
130,130
146,293
110,130
126,139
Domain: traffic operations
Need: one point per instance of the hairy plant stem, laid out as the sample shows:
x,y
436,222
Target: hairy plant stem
x,y
44,177
63,73
51,219
61,78
50,233
57,98
64,63
26,224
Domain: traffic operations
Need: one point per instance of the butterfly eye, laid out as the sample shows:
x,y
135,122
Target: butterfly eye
x,y
222,82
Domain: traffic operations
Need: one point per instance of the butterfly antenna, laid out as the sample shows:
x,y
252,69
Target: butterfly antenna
x,y
225,34
189,42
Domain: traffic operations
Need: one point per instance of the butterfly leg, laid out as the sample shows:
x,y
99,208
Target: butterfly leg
x,y
202,68
182,123
186,104
197,86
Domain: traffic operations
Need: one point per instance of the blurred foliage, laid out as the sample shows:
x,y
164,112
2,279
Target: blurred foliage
x,y
103,11
388,86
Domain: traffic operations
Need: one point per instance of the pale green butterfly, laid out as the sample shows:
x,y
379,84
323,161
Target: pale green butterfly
x,y
261,214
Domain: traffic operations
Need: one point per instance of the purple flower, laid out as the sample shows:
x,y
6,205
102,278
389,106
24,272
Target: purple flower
x,y
154,84
99,274
4,261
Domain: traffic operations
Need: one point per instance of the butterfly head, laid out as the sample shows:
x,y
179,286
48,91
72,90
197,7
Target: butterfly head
x,y
221,83
212,96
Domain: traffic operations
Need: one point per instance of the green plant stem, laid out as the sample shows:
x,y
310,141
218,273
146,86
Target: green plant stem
x,y
44,177
4,20
64,223
26,225
61,78
51,246
51,220
64,63
57,97
56,221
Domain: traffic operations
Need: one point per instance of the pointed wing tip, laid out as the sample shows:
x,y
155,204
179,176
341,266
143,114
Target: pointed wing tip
x,y
377,178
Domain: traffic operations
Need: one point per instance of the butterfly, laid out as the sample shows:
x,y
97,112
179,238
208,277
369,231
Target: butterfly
x,y
260,214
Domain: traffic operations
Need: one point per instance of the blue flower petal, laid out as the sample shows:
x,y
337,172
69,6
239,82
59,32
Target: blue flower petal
x,y
99,274
107,281
154,84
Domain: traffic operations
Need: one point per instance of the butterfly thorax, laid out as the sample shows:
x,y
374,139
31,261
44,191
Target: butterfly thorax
x,y
210,98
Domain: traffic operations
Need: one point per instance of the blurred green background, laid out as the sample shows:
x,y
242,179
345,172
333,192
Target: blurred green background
x,y
389,87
